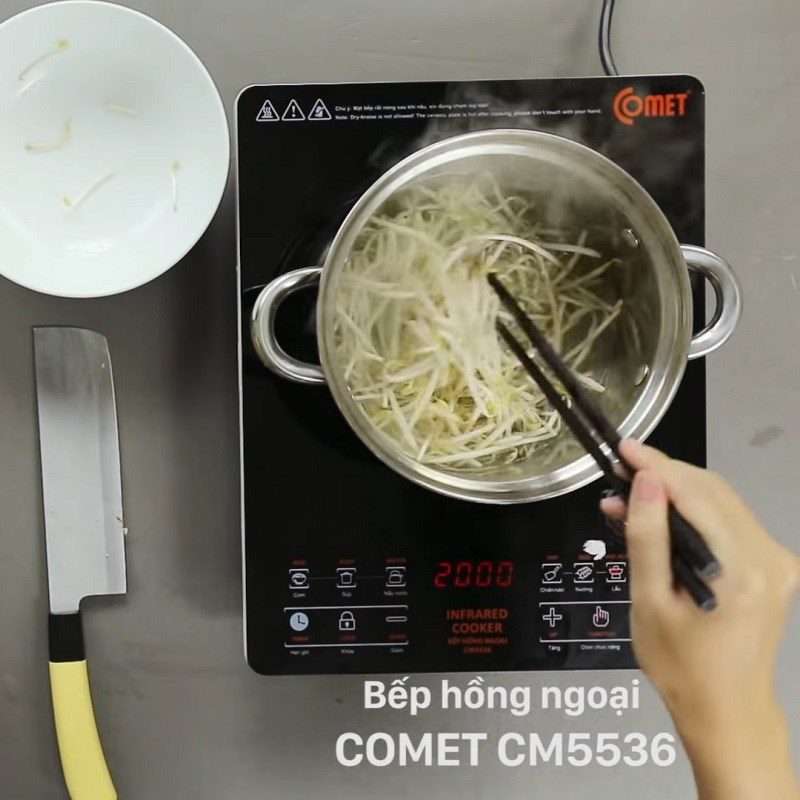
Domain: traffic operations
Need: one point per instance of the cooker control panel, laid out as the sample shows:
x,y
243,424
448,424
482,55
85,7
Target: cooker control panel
x,y
453,607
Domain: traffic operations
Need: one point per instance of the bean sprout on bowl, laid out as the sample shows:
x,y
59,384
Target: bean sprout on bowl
x,y
415,320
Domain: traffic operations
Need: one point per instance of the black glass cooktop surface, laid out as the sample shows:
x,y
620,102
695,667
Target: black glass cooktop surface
x,y
349,567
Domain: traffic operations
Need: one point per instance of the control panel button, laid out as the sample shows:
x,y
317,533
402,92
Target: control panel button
x,y
347,621
601,617
553,622
616,572
298,579
552,573
552,617
395,577
346,577
583,572
298,621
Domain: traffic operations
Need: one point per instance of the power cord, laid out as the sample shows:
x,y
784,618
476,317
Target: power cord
x,y
605,38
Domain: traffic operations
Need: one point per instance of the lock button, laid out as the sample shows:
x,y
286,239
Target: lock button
x,y
347,622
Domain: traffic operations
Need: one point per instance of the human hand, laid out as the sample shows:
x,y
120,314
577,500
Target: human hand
x,y
713,670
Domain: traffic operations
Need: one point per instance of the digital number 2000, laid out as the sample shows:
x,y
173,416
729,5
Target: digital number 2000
x,y
474,574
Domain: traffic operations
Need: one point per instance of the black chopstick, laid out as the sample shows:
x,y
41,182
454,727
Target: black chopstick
x,y
693,560
684,575
560,370
691,543
559,404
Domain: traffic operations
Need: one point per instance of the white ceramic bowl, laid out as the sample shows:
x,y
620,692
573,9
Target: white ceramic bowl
x,y
143,109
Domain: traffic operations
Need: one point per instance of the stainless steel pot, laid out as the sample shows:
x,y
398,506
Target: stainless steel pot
x,y
579,184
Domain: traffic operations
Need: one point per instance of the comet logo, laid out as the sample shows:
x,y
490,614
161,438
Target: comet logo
x,y
628,105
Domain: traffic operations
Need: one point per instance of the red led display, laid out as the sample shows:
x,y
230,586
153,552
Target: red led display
x,y
474,574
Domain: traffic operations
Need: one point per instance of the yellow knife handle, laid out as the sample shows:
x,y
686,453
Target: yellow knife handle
x,y
82,760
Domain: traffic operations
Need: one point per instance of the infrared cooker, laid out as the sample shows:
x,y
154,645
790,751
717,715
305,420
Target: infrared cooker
x,y
350,567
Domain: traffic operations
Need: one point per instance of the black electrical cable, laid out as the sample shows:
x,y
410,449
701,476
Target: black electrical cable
x,y
605,38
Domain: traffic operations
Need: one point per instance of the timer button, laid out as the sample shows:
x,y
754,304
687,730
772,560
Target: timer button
x,y
298,621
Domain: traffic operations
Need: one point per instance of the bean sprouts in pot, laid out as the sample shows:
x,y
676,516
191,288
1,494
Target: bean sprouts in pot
x,y
415,320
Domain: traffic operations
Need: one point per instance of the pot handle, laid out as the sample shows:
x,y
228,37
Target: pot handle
x,y
262,327
728,295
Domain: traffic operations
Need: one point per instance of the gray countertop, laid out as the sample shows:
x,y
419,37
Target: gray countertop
x,y
181,715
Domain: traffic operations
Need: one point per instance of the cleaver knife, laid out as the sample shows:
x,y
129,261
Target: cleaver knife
x,y
82,494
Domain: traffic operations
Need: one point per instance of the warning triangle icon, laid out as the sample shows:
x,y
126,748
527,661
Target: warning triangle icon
x,y
267,113
293,112
319,111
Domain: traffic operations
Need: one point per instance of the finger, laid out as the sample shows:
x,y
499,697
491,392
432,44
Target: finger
x,y
647,536
701,497
641,456
614,508
679,477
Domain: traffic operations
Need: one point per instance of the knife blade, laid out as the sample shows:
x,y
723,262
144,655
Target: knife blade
x,y
84,530
81,484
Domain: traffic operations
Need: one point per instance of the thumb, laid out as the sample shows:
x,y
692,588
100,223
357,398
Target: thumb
x,y
647,536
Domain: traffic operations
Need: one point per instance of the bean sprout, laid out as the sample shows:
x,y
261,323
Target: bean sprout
x,y
118,108
91,189
60,47
52,144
